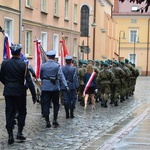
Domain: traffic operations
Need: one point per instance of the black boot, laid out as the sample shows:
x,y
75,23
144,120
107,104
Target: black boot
x,y
105,104
19,134
72,111
48,125
122,99
10,136
67,111
116,103
55,123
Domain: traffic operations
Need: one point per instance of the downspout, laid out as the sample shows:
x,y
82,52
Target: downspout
x,y
94,30
147,47
20,21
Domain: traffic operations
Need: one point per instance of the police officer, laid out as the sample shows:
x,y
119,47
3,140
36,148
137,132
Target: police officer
x,y
14,73
50,75
70,97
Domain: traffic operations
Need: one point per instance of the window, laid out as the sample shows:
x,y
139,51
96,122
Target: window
x,y
44,40
29,3
133,58
43,6
28,44
56,43
8,27
75,12
66,9
75,47
134,8
133,36
84,26
56,7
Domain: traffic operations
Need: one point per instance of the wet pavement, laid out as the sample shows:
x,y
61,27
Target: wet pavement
x,y
123,127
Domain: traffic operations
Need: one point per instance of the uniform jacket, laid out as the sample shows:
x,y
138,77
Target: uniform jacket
x,y
70,74
51,75
13,77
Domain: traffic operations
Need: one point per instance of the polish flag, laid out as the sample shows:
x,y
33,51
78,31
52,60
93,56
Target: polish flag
x,y
63,52
38,59
6,49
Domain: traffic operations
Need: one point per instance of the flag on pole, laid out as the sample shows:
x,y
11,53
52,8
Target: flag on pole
x,y
38,59
63,52
6,49
89,83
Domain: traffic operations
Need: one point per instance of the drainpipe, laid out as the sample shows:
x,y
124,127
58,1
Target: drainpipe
x,y
147,47
94,30
20,21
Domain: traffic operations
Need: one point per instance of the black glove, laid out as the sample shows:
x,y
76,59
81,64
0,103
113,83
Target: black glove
x,y
68,90
34,99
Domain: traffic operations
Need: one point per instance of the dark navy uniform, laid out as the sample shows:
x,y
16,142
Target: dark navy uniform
x,y
51,74
14,73
70,97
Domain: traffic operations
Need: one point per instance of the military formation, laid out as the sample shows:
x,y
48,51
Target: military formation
x,y
86,81
116,80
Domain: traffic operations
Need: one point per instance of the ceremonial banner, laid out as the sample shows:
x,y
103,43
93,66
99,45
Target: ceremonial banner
x,y
63,52
89,83
38,59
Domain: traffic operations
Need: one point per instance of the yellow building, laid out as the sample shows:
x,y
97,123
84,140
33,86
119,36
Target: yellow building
x,y
136,28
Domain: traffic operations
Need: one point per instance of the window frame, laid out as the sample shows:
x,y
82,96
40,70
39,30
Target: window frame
x,y
66,9
44,41
28,51
44,6
131,39
56,5
75,13
56,43
11,27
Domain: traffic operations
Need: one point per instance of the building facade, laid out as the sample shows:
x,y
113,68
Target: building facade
x,y
87,26
136,28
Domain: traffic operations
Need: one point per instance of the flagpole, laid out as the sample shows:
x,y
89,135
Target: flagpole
x,y
1,30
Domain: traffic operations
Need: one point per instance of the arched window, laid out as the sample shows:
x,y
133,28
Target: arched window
x,y
84,21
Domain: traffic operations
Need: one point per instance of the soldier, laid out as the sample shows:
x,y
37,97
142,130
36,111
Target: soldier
x,y
81,72
51,74
70,97
14,73
104,79
117,84
125,81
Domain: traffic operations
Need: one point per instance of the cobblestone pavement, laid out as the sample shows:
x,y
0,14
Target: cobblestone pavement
x,y
82,132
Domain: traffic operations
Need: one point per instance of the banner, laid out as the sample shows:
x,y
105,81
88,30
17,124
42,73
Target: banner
x,y
89,83
38,59
63,52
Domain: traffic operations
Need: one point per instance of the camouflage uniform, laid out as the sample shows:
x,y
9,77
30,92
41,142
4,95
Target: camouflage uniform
x,y
116,86
104,79
81,72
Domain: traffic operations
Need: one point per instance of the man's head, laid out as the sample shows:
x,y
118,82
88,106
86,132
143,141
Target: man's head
x,y
16,49
68,59
51,54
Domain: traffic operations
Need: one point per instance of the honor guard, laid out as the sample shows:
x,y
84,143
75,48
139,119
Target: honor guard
x,y
14,73
70,97
51,75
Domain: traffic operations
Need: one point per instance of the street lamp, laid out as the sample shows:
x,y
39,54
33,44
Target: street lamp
x,y
93,26
123,37
135,41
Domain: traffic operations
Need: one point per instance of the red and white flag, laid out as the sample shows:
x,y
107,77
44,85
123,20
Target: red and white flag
x,y
63,53
38,59
89,83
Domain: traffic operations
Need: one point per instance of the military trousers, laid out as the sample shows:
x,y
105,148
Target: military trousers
x,y
47,98
15,104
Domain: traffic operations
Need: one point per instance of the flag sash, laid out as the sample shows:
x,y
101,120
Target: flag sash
x,y
89,83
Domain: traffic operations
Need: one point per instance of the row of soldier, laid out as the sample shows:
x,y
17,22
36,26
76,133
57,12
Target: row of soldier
x,y
115,80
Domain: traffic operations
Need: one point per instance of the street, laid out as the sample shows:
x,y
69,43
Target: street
x,y
102,128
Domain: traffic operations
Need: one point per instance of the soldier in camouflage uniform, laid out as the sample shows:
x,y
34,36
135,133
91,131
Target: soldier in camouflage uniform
x,y
81,72
104,79
116,86
125,82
